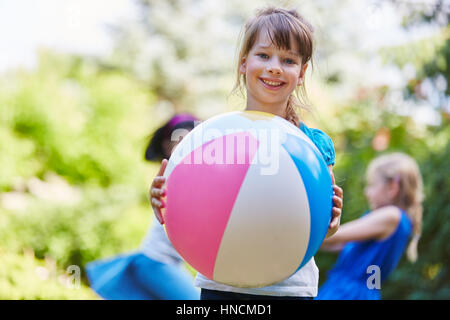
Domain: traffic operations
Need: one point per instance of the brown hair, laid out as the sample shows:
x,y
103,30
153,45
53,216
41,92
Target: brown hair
x,y
280,24
403,169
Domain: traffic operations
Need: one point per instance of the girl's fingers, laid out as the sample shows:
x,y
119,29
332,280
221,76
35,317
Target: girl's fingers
x,y
337,201
333,224
335,217
158,181
338,190
163,167
157,205
157,193
158,215
336,212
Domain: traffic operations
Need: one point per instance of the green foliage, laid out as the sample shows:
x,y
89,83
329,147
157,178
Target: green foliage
x,y
430,58
105,222
23,277
75,119
88,126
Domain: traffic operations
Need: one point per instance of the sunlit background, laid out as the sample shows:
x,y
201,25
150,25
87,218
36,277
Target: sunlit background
x,y
84,83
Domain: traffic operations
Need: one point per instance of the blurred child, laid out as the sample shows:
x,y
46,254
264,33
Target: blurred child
x,y
372,245
155,272
276,49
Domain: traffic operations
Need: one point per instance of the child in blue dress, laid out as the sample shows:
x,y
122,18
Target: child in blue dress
x,y
155,272
276,50
372,245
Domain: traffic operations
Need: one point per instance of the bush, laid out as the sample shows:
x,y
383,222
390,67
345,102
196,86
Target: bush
x,y
88,125
73,118
23,277
104,223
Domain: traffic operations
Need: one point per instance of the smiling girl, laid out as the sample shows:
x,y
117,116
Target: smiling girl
x,y
276,49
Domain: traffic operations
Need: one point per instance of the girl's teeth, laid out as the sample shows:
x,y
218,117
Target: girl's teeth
x,y
271,83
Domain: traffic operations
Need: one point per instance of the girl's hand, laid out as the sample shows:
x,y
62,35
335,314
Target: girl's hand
x,y
157,192
336,211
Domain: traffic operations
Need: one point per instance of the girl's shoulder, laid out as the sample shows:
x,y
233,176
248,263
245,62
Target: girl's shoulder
x,y
388,218
390,213
322,141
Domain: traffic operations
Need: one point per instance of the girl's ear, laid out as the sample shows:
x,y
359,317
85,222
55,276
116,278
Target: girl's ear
x,y
394,188
302,74
243,67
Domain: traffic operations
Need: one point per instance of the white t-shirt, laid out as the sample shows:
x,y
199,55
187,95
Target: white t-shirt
x,y
157,245
303,283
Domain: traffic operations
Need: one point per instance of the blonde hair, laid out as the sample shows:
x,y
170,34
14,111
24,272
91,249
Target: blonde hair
x,y
280,24
403,169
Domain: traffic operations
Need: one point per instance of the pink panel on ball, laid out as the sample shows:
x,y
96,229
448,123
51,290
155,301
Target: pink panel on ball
x,y
201,192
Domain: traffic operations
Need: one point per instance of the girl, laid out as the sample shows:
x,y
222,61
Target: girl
x,y
373,244
276,49
155,272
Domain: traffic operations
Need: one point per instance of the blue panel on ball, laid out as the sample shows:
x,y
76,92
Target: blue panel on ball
x,y
316,178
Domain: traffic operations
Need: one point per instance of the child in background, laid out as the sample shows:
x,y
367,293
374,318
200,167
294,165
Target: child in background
x,y
277,47
155,272
372,245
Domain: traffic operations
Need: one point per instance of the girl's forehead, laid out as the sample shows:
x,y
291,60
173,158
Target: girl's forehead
x,y
375,177
267,39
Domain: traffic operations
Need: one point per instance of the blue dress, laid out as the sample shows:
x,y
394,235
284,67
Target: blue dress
x,y
155,271
354,276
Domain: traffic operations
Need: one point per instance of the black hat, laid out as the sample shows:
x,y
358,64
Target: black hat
x,y
155,150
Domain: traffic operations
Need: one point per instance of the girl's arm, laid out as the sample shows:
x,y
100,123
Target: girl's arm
x,y
332,247
337,206
377,225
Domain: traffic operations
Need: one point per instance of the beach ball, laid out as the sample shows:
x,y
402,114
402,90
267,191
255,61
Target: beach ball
x,y
248,200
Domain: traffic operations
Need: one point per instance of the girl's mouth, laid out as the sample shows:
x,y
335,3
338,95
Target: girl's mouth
x,y
271,84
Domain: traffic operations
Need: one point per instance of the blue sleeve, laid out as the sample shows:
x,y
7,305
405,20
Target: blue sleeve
x,y
322,141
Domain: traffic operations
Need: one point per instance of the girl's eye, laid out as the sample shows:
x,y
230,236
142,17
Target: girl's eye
x,y
263,55
289,61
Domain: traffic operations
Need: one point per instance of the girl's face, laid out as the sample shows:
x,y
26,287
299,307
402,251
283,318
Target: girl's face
x,y
272,74
379,192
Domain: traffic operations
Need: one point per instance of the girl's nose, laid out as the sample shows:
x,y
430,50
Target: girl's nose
x,y
274,68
